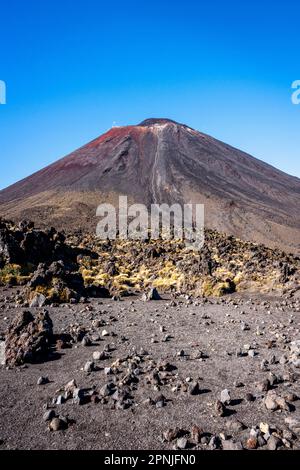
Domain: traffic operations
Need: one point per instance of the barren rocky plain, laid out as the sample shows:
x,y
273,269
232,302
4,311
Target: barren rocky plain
x,y
147,347
158,375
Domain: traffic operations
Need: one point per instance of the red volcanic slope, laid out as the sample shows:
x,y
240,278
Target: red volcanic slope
x,y
159,161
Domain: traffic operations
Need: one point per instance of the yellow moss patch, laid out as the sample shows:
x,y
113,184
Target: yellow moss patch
x,y
14,274
221,288
223,273
207,288
238,278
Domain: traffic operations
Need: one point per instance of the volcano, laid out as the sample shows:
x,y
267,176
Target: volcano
x,y
162,161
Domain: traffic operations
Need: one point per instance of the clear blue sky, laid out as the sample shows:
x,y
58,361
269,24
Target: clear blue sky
x,y
72,68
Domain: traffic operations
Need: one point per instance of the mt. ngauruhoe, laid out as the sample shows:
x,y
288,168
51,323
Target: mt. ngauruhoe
x,y
160,161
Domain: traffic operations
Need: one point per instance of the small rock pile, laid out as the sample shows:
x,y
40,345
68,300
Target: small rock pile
x,y
125,374
122,380
236,437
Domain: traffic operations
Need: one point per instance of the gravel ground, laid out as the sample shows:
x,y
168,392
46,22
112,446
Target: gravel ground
x,y
219,329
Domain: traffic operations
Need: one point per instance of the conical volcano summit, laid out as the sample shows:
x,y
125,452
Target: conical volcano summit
x,y
162,161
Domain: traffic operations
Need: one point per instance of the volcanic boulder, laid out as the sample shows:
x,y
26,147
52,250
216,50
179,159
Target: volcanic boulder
x,y
28,338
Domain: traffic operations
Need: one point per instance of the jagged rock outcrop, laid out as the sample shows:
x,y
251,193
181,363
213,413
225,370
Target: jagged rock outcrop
x,y
22,244
224,265
44,263
59,282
